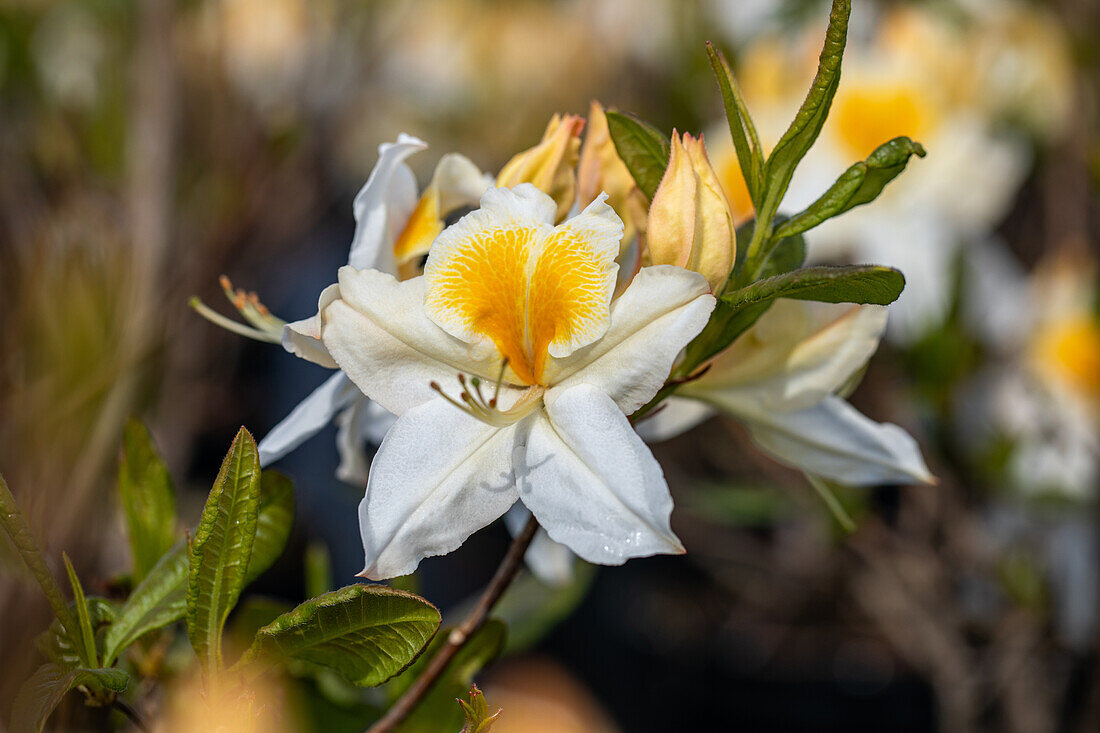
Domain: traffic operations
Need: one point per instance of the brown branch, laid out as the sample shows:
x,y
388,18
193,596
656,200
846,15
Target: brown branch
x,y
458,637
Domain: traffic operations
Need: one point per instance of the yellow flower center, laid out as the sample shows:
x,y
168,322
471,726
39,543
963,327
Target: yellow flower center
x,y
532,290
867,116
1070,350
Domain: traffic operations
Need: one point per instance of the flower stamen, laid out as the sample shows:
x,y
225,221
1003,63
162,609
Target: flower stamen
x,y
471,400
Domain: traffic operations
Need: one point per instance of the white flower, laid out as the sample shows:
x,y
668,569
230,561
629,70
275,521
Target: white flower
x,y
780,378
550,367
393,230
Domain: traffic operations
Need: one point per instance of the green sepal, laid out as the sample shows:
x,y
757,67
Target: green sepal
x,y
860,184
642,147
86,646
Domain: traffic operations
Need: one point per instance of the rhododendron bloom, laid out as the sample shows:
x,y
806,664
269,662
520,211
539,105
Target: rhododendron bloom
x,y
512,370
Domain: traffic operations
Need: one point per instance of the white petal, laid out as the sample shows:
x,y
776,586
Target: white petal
x,y
663,309
835,440
459,183
550,562
674,416
439,476
379,335
797,354
308,418
377,421
303,338
384,204
592,483
354,464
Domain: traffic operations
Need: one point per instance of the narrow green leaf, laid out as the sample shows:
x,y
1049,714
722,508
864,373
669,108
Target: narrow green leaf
x,y
222,549
21,536
643,148
55,644
41,694
437,711
807,124
367,633
746,142
828,284
87,636
860,184
840,514
159,600
737,310
148,500
276,516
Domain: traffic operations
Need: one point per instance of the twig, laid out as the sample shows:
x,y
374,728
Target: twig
x,y
125,708
504,576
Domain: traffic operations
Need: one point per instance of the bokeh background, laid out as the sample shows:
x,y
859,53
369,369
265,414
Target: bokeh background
x,y
148,146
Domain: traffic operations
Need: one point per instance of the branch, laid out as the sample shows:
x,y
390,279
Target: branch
x,y
458,637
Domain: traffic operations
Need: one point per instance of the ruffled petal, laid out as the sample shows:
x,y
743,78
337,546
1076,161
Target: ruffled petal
x,y
439,476
592,483
383,205
379,335
303,338
663,309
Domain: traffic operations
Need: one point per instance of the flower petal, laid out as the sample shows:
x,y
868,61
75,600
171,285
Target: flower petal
x,y
672,417
834,440
379,335
662,309
550,562
439,476
364,422
303,338
592,483
797,354
383,205
308,418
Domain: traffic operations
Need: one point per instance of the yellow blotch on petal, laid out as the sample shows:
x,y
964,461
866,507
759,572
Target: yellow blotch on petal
x,y
550,165
423,227
534,290
690,223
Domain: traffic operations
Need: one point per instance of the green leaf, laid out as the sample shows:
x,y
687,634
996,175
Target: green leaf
x,y
368,633
737,310
159,600
476,711
643,148
746,142
222,549
148,500
862,284
807,124
21,536
788,253
86,647
437,711
273,524
860,184
55,644
41,694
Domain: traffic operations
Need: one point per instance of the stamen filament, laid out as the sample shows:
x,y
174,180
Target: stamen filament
x,y
471,400
230,325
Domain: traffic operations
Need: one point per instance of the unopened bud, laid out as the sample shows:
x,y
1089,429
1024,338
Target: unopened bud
x,y
550,165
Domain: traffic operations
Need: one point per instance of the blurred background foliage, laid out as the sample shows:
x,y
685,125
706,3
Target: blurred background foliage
x,y
147,146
